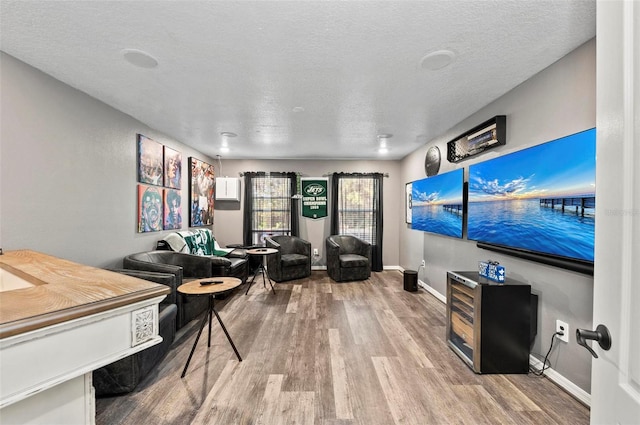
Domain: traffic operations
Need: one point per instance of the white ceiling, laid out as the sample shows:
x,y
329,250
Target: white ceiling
x,y
243,66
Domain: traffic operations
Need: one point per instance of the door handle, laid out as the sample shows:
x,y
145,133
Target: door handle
x,y
601,335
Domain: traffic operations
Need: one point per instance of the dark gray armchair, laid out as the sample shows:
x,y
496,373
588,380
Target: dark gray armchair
x,y
293,259
187,267
348,258
124,375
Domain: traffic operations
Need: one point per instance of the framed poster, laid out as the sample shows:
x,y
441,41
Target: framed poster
x,y
172,168
201,193
172,209
408,202
149,208
149,161
314,197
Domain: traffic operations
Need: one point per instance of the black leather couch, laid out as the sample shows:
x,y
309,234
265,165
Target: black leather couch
x,y
293,259
348,258
124,375
188,267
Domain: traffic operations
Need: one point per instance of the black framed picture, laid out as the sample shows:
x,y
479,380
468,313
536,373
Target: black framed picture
x,y
150,164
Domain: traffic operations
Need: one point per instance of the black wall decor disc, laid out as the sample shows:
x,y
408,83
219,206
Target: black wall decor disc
x,y
432,161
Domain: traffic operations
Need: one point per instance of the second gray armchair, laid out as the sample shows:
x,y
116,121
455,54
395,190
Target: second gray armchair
x,y
293,259
348,258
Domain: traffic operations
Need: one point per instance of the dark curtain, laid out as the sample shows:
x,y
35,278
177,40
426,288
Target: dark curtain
x,y
370,215
249,178
248,208
295,205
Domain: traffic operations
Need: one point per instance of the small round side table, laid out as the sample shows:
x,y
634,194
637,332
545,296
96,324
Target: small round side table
x,y
262,268
220,285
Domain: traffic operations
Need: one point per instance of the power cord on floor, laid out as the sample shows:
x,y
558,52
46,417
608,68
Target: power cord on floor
x,y
544,362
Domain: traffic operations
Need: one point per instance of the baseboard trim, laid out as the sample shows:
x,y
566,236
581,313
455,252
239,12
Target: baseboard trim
x,y
432,291
383,268
578,393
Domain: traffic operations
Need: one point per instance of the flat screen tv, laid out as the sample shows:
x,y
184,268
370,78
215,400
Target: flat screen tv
x,y
437,204
538,203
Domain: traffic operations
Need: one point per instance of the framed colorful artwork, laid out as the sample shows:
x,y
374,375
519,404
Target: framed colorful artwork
x,y
149,208
172,168
149,161
172,209
201,193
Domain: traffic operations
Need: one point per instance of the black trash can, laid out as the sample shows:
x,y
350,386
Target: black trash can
x,y
410,280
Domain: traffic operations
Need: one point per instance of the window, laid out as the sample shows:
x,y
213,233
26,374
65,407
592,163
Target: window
x,y
269,206
356,208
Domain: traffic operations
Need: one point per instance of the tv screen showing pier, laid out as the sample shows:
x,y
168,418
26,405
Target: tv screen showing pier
x,y
437,204
540,199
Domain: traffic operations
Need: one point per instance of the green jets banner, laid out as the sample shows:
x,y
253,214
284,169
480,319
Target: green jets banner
x,y
314,197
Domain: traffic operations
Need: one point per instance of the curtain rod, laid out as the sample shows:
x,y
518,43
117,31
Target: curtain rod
x,y
266,173
353,174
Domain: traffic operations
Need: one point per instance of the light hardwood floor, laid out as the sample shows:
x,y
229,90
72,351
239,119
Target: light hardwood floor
x,y
320,352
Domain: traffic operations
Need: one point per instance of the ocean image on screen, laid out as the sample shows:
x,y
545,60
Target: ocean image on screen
x,y
437,204
540,199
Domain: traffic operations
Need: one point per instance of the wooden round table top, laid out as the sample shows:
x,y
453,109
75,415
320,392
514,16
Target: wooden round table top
x,y
195,288
261,251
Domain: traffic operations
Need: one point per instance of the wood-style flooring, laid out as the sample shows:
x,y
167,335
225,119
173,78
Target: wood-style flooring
x,y
320,352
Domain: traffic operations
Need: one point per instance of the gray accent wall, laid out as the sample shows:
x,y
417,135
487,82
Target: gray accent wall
x,y
559,101
68,176
68,171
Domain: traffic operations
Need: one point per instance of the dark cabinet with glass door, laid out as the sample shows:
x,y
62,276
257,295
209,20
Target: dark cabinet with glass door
x,y
489,324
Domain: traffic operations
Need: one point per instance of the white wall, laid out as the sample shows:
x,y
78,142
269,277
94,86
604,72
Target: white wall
x,y
557,102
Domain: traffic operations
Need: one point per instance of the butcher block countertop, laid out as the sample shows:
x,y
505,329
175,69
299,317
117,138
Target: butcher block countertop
x,y
39,290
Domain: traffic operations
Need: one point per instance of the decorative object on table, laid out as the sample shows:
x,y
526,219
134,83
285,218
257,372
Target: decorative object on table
x,y
149,208
408,202
172,168
487,135
492,270
201,193
432,161
149,161
172,209
314,197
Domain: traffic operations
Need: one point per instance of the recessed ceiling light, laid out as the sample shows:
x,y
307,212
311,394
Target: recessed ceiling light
x,y
437,60
139,58
298,109
385,136
228,134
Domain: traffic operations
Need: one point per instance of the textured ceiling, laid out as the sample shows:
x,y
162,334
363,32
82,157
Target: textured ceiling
x,y
354,67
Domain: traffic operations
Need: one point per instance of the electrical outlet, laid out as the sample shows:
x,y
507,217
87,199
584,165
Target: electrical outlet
x,y
564,328
315,252
423,264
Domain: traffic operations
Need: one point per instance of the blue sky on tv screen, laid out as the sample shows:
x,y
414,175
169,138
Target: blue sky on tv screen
x,y
505,193
561,168
437,204
444,188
